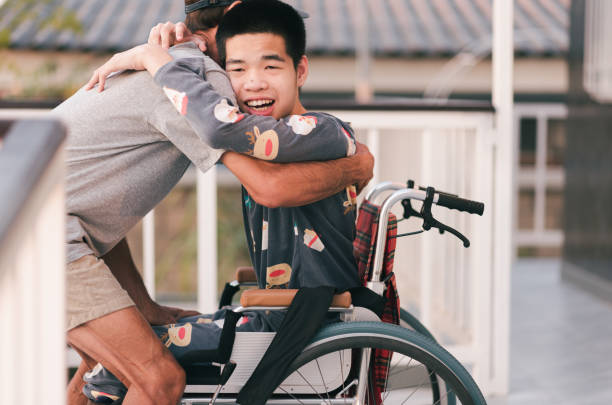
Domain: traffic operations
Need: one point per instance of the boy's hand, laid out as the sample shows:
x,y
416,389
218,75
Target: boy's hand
x,y
141,57
168,34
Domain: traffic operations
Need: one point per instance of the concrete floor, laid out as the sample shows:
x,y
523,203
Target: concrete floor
x,y
561,340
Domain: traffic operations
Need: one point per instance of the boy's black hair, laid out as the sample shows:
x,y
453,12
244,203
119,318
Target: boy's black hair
x,y
264,16
204,18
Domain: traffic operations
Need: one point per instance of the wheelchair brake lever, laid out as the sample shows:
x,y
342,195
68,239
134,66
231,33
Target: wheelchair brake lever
x,y
442,228
408,210
430,222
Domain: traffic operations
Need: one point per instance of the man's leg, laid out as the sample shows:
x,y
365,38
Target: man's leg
x,y
105,326
75,387
125,344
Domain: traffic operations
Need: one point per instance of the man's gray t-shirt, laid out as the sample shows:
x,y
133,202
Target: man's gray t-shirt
x,y
127,148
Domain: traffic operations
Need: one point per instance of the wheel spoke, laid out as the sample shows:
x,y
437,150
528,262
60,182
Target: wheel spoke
x,y
409,379
323,381
417,388
310,385
341,355
290,394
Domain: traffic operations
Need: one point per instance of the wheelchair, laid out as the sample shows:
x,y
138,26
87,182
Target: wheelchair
x,y
338,365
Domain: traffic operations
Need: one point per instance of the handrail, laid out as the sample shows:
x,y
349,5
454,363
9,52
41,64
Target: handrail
x,y
23,160
32,262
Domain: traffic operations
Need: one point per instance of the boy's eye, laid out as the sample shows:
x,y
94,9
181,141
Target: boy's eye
x,y
272,67
236,70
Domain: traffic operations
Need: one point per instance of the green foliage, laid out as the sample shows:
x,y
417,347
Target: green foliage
x,y
60,18
5,38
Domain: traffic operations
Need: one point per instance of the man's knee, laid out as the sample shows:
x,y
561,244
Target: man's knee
x,y
167,378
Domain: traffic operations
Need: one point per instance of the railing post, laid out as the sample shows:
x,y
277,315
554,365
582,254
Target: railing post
x,y
207,240
496,378
148,252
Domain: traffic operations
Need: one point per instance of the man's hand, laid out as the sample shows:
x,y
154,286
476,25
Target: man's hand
x,y
366,166
168,34
157,314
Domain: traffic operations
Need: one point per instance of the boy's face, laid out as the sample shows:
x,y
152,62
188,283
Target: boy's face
x,y
263,76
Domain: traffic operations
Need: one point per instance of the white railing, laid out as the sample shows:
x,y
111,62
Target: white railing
x,y
542,177
32,262
448,286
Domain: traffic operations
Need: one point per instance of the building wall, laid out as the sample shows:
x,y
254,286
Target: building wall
x,y
38,74
587,250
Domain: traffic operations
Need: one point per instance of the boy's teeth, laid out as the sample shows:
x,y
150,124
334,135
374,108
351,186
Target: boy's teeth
x,y
258,103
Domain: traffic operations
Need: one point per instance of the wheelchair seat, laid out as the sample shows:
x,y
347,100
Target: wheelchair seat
x,y
283,298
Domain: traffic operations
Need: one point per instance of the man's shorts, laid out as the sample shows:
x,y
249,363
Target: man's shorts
x,y
92,291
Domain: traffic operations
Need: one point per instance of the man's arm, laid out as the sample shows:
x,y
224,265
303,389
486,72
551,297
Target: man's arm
x,y
119,260
296,184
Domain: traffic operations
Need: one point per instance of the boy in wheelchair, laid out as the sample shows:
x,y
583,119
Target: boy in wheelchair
x,y
262,44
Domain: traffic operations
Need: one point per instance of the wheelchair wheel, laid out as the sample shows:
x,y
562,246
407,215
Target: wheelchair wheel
x,y
407,381
409,321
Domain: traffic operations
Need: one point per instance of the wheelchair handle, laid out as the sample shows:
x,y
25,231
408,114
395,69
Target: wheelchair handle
x,y
384,186
460,204
381,237
443,199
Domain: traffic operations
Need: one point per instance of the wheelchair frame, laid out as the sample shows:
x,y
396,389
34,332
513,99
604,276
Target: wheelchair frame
x,y
361,326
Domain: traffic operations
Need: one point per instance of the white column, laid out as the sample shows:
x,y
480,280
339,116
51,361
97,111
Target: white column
x,y
363,86
148,252
207,241
428,245
540,174
502,95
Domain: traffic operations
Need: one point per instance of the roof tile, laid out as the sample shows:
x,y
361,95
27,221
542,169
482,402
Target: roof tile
x,y
397,27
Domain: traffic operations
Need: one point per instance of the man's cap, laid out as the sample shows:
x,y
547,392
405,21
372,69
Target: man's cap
x,y
223,3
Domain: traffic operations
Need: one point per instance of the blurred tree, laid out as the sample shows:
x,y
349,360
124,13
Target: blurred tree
x,y
60,18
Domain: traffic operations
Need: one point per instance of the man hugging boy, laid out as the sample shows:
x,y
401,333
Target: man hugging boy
x,y
262,46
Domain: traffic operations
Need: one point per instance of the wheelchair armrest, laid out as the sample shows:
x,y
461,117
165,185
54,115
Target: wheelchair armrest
x,y
283,298
245,274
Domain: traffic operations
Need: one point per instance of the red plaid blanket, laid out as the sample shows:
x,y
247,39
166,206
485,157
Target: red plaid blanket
x,y
364,248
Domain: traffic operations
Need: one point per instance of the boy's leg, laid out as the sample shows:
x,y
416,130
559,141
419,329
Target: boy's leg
x,y
125,344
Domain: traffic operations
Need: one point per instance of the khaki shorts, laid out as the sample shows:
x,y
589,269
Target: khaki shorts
x,y
92,291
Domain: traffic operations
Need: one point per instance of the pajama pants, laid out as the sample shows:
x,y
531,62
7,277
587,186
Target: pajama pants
x,y
201,332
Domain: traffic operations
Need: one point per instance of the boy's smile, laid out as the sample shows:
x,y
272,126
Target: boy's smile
x,y
263,75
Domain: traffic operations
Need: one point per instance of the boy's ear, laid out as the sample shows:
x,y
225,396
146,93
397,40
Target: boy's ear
x,y
231,6
302,71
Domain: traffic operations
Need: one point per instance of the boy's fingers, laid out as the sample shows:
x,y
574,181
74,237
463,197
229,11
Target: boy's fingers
x,y
167,34
154,36
102,81
200,42
181,31
92,81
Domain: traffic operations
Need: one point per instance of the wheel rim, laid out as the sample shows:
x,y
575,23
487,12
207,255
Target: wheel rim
x,y
408,380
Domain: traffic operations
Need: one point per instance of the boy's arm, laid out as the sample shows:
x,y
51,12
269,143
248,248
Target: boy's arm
x,y
223,126
295,184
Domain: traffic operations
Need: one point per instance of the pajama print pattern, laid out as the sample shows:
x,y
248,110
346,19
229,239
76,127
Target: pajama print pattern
x,y
294,247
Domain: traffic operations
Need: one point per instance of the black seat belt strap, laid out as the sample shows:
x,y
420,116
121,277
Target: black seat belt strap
x,y
302,321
